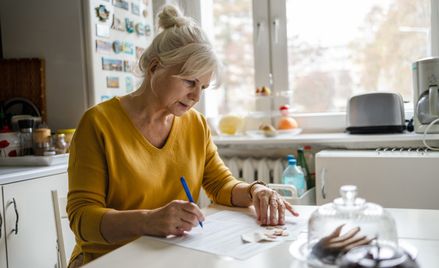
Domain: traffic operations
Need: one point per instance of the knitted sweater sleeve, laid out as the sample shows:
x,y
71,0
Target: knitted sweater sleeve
x,y
88,179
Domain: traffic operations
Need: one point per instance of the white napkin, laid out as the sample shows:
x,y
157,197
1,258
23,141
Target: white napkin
x,y
258,237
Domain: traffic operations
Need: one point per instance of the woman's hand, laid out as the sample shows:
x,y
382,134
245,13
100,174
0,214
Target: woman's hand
x,y
172,219
270,206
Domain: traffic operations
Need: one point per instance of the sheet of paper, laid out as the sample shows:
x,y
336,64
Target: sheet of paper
x,y
222,232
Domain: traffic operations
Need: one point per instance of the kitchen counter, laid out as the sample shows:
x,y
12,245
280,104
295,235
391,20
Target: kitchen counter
x,y
10,174
329,140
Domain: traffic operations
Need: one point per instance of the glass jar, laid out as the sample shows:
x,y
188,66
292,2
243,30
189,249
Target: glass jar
x,y
61,145
41,148
68,136
26,136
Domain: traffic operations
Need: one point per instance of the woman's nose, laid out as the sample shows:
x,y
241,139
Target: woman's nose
x,y
195,95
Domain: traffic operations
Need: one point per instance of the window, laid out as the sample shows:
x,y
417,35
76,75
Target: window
x,y
355,46
316,53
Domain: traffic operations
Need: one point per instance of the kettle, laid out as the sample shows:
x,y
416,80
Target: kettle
x,y
425,93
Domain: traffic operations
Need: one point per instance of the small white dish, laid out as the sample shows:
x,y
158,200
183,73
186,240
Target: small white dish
x,y
280,133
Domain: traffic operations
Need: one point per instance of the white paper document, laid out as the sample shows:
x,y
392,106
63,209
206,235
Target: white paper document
x,y
222,232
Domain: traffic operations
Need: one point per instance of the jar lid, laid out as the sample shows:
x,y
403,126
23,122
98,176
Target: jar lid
x,y
60,135
26,123
66,130
6,130
42,130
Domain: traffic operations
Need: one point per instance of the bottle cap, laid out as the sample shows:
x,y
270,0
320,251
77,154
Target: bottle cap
x,y
290,157
66,130
292,162
6,130
307,147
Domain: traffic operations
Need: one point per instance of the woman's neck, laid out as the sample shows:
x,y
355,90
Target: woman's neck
x,y
143,108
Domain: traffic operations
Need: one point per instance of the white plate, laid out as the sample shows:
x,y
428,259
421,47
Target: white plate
x,y
32,160
299,250
280,133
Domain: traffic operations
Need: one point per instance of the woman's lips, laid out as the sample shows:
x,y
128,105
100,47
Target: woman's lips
x,y
184,105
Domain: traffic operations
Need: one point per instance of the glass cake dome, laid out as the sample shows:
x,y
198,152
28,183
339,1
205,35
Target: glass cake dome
x,y
349,212
340,228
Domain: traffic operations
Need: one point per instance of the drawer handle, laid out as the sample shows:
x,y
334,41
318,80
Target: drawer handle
x,y
322,178
1,224
16,213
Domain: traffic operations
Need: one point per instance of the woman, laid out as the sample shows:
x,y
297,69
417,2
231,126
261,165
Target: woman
x,y
129,153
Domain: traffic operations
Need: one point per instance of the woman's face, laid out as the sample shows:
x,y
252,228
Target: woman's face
x,y
178,95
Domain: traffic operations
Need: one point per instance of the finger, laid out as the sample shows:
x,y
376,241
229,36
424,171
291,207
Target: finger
x,y
189,218
184,225
346,236
177,231
193,209
281,211
263,206
362,242
290,208
257,204
273,211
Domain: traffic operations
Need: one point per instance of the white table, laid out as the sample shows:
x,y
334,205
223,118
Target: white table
x,y
419,227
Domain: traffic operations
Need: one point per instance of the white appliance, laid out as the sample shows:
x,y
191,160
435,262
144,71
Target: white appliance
x,y
116,33
63,33
393,179
425,93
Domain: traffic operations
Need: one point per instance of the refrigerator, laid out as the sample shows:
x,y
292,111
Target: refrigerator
x,y
77,40
116,34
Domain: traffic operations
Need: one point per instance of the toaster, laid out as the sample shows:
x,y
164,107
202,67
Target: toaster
x,y
375,112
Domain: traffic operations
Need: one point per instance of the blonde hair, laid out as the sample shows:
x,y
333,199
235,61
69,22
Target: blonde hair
x,y
181,42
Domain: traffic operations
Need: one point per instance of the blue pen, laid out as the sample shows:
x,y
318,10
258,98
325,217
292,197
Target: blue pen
x,y
188,193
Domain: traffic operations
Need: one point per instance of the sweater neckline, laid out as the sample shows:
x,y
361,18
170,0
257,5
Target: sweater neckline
x,y
130,124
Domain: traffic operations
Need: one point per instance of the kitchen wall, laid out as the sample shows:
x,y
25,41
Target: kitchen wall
x,y
51,30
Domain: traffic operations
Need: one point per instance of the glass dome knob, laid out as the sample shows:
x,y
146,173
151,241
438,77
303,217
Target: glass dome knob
x,y
348,193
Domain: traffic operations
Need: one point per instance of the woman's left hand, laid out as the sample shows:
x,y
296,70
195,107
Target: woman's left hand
x,y
270,206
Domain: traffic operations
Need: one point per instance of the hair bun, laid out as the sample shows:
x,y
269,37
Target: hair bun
x,y
171,16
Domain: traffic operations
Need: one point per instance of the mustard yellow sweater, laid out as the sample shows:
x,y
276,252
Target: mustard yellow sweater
x,y
112,166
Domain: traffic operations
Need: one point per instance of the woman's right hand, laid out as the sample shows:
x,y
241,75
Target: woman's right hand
x,y
173,219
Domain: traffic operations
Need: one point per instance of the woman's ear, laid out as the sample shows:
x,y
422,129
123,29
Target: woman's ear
x,y
153,65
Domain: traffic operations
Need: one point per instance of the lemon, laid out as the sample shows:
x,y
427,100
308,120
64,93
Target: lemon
x,y
230,123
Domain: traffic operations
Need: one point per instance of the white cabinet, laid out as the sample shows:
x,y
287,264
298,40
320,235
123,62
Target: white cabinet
x,y
30,238
398,179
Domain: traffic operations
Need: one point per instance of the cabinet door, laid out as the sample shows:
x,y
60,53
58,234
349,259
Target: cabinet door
x,y
34,244
390,179
2,231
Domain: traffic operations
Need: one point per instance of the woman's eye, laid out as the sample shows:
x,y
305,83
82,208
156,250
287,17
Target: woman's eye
x,y
190,82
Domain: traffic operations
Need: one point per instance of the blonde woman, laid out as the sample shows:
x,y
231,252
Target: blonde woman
x,y
129,153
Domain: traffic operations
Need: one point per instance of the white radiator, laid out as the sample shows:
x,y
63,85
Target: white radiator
x,y
249,170
264,169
